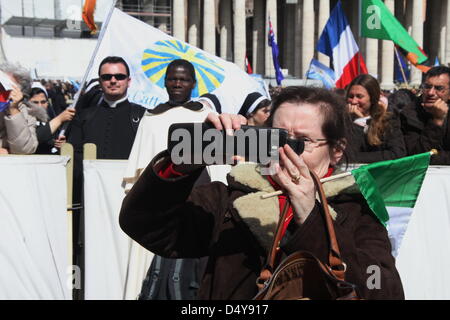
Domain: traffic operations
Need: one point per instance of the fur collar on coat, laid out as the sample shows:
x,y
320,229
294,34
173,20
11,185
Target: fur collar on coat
x,y
261,215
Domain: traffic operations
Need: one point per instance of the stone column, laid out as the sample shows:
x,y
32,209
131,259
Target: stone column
x,y
2,52
179,26
417,34
387,60
209,26
400,12
443,31
226,51
298,41
259,41
372,56
239,33
271,11
308,46
447,36
324,14
289,56
194,22
57,8
409,16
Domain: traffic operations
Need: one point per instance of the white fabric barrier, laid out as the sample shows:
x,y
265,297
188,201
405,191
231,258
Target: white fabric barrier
x,y
33,228
424,256
113,268
422,261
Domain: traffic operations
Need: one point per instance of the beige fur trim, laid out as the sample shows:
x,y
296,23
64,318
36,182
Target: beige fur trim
x,y
248,175
260,215
343,185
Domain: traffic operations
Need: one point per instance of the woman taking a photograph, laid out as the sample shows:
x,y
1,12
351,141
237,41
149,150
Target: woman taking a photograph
x,y
233,226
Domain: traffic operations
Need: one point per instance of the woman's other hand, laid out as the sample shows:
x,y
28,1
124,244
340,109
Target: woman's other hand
x,y
15,97
60,141
294,177
226,121
354,111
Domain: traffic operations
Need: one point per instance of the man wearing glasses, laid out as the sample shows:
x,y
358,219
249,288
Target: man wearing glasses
x,y
109,120
106,118
425,123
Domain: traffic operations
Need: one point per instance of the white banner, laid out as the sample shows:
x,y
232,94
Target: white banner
x,y
423,260
33,228
115,265
148,51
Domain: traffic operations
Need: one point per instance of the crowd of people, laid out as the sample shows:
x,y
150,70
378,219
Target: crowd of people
x,y
384,125
35,113
208,226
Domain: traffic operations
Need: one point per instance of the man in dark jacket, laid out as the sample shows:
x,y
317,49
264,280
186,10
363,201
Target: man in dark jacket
x,y
106,119
111,121
425,121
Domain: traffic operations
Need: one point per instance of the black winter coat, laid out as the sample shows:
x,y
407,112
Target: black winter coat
x,y
422,135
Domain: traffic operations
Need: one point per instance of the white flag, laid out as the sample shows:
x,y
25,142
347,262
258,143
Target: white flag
x,y
148,51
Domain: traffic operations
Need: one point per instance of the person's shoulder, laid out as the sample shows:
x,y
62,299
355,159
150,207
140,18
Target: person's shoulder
x,y
141,109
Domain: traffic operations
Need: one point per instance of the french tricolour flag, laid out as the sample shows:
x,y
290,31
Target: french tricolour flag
x,y
337,42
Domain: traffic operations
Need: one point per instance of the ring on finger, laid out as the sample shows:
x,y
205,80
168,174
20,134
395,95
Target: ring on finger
x,y
296,178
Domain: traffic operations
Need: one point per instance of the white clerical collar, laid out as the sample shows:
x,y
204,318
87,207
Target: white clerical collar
x,y
113,104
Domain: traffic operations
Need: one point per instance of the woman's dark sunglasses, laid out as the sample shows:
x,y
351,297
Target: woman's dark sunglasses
x,y
108,76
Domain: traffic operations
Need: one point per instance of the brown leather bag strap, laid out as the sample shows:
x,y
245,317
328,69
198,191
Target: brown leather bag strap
x,y
274,250
274,253
338,267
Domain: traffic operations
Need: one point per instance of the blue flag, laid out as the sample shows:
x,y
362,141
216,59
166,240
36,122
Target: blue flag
x,y
436,62
399,66
319,71
275,52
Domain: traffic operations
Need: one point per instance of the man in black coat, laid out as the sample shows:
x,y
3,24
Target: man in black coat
x,y
424,122
110,121
106,118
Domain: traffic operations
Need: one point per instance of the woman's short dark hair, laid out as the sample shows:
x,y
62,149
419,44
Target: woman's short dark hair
x,y
332,107
182,63
114,59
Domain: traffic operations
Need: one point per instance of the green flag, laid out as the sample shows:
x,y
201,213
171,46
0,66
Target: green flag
x,y
379,23
392,183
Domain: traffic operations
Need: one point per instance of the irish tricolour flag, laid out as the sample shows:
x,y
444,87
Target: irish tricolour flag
x,y
391,189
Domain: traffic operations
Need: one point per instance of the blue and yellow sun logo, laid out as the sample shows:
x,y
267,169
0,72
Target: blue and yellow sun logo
x,y
208,72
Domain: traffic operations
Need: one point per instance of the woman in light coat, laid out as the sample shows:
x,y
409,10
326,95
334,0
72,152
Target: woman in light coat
x,y
18,120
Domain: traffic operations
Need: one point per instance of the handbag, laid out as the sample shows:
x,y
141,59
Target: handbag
x,y
301,275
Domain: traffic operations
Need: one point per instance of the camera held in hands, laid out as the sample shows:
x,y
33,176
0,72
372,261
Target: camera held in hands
x,y
202,143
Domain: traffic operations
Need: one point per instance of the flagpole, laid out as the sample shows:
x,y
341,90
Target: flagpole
x,y
91,62
400,64
335,177
359,35
97,47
